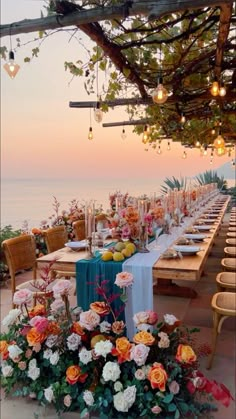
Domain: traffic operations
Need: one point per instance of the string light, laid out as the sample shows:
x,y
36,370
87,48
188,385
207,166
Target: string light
x,y
222,90
11,67
182,118
215,87
123,134
160,94
159,149
205,150
145,134
197,144
168,146
90,133
184,155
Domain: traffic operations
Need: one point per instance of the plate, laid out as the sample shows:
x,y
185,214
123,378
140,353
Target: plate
x,y
76,245
204,228
197,237
187,250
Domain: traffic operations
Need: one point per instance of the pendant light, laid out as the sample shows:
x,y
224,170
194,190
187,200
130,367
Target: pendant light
x,y
145,134
160,94
222,90
184,155
123,133
168,146
219,141
90,133
215,87
182,118
11,67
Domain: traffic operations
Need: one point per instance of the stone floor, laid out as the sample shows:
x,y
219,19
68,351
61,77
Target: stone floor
x,y
192,312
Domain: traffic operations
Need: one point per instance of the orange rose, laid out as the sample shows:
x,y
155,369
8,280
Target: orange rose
x,y
118,327
144,337
38,310
33,337
4,349
157,376
74,374
76,328
53,329
100,307
185,354
123,348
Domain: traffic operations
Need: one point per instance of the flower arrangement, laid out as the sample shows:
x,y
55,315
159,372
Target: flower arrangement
x,y
79,361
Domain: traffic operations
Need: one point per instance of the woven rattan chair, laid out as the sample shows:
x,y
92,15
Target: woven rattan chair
x,y
223,305
20,254
79,229
230,252
231,242
229,264
55,238
226,281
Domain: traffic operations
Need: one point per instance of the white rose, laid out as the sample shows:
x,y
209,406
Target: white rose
x,y
119,402
139,374
103,348
73,341
111,371
54,358
88,397
170,319
48,394
33,373
11,317
51,341
118,386
47,353
105,327
85,356
130,395
7,371
14,351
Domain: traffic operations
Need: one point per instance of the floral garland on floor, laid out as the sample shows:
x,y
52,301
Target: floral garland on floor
x,y
78,361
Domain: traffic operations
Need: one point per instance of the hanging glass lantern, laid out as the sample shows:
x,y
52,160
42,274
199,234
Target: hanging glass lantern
x,y
219,141
159,94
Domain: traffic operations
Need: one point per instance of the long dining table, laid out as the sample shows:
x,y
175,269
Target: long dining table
x,y
151,272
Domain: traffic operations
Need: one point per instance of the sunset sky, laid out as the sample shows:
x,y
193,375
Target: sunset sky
x,y
42,137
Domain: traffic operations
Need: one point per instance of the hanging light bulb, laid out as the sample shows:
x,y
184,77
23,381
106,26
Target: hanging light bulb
x,y
123,134
222,90
213,131
182,118
159,149
159,94
168,146
219,141
98,114
145,134
184,155
197,144
215,87
233,162
205,150
211,160
11,67
220,151
90,133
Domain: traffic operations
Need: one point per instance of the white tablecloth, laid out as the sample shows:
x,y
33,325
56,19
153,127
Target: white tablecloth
x,y
140,295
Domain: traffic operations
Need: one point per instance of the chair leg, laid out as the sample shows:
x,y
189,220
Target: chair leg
x,y
216,320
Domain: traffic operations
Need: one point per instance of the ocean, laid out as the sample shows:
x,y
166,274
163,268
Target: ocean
x,y
32,200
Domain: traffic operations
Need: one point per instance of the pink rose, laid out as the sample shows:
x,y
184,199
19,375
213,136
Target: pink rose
x,y
40,323
152,319
89,319
124,279
174,387
57,305
139,353
62,287
23,296
156,409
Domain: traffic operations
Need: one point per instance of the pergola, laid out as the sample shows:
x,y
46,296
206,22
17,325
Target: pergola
x,y
186,44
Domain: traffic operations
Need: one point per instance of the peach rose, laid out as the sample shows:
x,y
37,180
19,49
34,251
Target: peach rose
x,y
4,349
157,376
185,354
53,329
23,296
144,337
74,375
61,288
124,279
89,319
118,327
38,310
33,337
100,307
123,348
76,328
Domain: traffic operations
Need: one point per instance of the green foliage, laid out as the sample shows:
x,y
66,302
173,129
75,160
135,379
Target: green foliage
x,y
174,183
211,176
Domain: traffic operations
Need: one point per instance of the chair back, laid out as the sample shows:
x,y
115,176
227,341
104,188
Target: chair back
x,y
55,238
79,229
20,254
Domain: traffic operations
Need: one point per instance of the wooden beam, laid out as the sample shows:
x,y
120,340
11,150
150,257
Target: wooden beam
x,y
224,25
151,8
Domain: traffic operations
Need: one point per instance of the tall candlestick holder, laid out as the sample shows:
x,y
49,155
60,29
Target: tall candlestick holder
x,y
143,240
89,254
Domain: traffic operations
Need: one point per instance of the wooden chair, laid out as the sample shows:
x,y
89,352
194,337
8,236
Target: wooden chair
x,y
55,238
231,242
223,305
230,252
232,229
20,254
229,264
231,234
79,229
226,281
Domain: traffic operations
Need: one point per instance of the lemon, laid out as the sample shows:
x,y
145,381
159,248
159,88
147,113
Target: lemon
x,y
131,247
119,246
118,257
107,256
126,252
